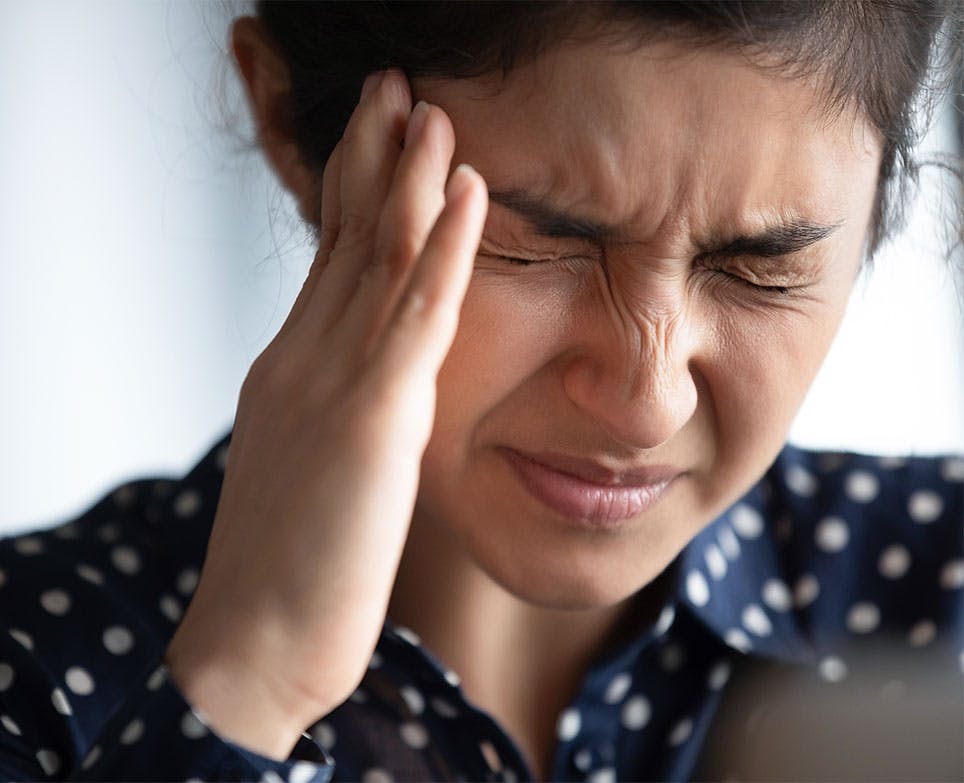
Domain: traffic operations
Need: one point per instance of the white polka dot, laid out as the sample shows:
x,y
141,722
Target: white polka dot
x,y
157,678
377,775
831,461
697,590
221,458
413,734
408,635
509,775
665,620
756,621
118,640
861,486
23,637
79,681
671,657
132,732
806,590
777,595
375,661
187,581
863,617
891,463
192,726
443,708
59,699
28,545
801,481
301,772
90,574
187,503
108,533
602,775
924,506
893,562
746,521
91,758
952,575
583,760
617,688
358,696
491,755
568,724
10,725
952,469
270,776
452,678
124,496
6,676
126,560
636,712
68,532
719,675
413,699
832,669
738,640
56,602
832,534
49,761
170,608
681,732
324,735
715,562
922,634
729,543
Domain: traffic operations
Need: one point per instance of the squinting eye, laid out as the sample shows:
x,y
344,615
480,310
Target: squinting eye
x,y
779,290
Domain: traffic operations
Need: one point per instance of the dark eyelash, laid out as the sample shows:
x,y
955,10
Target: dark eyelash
x,y
775,290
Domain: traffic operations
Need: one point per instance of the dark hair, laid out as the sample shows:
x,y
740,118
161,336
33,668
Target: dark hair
x,y
888,58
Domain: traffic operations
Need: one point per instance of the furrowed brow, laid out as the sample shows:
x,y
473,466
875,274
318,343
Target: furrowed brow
x,y
778,240
550,221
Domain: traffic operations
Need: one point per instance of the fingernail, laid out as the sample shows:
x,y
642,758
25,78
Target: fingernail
x,y
459,182
371,83
416,122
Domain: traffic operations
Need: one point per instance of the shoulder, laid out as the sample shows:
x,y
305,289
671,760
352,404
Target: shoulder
x,y
85,606
883,536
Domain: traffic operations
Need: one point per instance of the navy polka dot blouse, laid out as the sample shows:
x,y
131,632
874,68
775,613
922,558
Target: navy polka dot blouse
x,y
814,631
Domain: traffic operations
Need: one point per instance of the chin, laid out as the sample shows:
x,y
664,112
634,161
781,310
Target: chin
x,y
565,584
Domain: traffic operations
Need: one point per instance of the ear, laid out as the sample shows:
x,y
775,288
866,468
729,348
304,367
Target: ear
x,y
267,85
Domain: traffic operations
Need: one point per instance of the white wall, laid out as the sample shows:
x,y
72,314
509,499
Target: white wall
x,y
145,261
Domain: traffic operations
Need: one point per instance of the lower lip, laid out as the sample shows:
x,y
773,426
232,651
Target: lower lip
x,y
594,505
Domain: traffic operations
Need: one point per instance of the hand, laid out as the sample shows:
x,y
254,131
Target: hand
x,y
332,421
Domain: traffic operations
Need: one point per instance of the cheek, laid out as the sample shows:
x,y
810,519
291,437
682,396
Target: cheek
x,y
506,333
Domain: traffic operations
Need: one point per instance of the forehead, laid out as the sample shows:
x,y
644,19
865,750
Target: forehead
x,y
662,138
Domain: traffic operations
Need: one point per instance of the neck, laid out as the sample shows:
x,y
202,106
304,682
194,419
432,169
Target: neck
x,y
520,662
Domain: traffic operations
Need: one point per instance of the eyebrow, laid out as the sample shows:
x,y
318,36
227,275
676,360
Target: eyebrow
x,y
779,239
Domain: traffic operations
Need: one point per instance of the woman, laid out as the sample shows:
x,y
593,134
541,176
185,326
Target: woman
x,y
507,496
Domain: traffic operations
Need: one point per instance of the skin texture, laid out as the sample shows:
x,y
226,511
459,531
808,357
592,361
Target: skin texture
x,y
646,346
630,353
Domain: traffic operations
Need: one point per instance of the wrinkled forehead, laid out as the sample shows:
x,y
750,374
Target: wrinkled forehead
x,y
663,134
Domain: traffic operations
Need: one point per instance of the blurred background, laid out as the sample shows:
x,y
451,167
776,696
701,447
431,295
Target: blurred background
x,y
147,257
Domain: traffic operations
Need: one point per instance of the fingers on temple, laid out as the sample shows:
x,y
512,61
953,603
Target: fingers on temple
x,y
372,144
423,325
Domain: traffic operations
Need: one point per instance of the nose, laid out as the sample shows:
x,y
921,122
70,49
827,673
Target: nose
x,y
634,380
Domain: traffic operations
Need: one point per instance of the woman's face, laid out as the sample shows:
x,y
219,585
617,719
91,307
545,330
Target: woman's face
x,y
691,227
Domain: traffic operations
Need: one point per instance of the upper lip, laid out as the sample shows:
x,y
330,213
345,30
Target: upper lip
x,y
606,473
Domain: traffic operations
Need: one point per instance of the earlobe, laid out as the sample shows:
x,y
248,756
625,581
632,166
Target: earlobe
x,y
264,74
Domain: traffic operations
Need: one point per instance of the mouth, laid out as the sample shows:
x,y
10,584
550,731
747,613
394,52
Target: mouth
x,y
587,491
